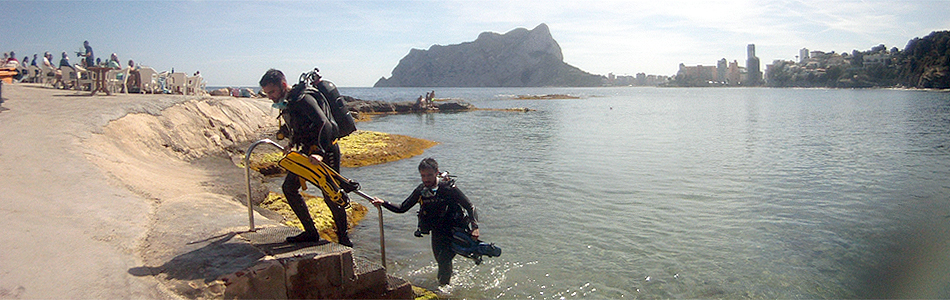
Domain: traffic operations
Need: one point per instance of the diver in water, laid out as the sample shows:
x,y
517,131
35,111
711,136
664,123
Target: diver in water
x,y
444,211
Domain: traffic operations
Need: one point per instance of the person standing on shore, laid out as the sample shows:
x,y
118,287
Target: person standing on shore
x,y
442,212
90,59
312,133
135,78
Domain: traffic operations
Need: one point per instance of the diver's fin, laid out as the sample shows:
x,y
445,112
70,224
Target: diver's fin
x,y
320,175
464,245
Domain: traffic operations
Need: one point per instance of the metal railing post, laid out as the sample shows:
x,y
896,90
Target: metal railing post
x,y
382,235
247,176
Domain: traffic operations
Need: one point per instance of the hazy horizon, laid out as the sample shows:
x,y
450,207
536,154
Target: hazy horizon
x,y
354,43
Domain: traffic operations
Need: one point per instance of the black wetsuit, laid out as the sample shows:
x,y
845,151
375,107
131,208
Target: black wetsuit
x,y
441,212
313,133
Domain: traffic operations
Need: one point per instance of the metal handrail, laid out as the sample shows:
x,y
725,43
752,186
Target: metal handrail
x,y
247,176
382,235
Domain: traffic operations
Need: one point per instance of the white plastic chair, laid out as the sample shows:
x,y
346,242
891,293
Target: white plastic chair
x,y
24,73
33,74
175,82
148,80
194,85
116,79
84,78
49,75
69,78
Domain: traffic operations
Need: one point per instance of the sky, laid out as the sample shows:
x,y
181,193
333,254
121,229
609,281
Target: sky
x,y
354,43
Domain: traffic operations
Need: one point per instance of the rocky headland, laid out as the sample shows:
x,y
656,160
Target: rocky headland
x,y
518,58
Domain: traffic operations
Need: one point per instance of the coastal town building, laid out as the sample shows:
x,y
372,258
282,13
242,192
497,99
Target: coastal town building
x,y
724,73
752,65
876,67
641,79
722,69
734,76
699,72
810,68
803,55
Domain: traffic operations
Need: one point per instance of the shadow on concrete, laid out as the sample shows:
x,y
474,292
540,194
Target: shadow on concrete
x,y
221,256
88,94
224,255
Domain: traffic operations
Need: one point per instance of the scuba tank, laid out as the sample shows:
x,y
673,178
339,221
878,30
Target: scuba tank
x,y
342,119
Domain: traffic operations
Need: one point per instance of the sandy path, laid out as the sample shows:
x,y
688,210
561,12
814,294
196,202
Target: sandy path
x,y
72,230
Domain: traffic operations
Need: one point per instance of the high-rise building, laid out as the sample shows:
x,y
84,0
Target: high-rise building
x,y
752,66
722,68
802,55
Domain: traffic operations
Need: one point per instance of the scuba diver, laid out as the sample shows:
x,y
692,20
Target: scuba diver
x,y
448,215
311,130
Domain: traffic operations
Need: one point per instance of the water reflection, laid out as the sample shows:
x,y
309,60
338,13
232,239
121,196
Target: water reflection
x,y
687,193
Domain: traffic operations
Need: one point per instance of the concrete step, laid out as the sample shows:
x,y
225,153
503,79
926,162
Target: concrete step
x,y
398,288
310,271
394,288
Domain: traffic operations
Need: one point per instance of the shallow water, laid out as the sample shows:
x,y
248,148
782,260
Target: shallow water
x,y
682,193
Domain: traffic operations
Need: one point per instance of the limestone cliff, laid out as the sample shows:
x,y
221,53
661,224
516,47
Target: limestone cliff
x,y
926,62
518,58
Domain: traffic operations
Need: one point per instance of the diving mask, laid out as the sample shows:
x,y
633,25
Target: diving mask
x,y
281,105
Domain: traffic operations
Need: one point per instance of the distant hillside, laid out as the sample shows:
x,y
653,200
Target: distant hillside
x,y
926,61
518,58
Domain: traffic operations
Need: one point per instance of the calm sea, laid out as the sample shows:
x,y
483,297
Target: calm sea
x,y
682,193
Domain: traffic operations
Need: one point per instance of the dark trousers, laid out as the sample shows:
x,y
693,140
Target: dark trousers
x,y
442,250
291,189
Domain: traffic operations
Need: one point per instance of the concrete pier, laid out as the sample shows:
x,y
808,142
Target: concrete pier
x,y
309,271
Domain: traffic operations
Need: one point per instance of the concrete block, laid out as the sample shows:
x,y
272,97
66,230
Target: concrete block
x,y
397,288
318,276
369,280
312,271
264,280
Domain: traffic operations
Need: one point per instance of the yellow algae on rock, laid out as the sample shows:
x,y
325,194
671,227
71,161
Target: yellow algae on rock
x,y
365,148
322,217
423,294
265,162
359,149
